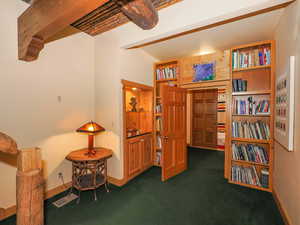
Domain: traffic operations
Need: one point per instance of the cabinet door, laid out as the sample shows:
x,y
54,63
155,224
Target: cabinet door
x,y
134,156
174,154
147,151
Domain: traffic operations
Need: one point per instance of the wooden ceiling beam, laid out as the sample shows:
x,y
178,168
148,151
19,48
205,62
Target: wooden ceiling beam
x,y
118,12
141,12
45,18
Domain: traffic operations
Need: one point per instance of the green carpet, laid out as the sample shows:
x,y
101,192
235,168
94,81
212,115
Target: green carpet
x,y
199,196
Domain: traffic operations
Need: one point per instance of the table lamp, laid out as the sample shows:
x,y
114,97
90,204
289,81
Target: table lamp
x,y
91,128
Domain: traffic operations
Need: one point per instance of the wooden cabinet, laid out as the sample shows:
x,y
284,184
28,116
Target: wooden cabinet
x,y
137,128
138,155
134,156
147,151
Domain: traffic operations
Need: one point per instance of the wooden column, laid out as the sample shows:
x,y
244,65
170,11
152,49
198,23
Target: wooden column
x,y
30,188
7,144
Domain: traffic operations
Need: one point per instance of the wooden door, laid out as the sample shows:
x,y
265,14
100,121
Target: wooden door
x,y
204,118
134,156
147,154
174,154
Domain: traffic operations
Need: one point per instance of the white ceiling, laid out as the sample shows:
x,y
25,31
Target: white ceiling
x,y
257,28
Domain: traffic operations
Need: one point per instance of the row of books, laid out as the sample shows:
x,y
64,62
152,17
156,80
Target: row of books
x,y
251,130
158,108
248,106
159,124
250,152
251,58
239,85
249,175
158,142
166,73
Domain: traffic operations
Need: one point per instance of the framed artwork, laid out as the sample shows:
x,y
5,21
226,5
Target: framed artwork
x,y
204,72
285,107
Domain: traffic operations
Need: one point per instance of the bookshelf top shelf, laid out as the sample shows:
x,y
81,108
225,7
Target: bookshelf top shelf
x,y
166,63
251,68
263,92
253,45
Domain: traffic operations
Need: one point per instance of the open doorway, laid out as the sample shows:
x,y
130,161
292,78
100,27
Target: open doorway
x,y
207,118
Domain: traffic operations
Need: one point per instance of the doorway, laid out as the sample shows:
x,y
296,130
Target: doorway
x,y
207,118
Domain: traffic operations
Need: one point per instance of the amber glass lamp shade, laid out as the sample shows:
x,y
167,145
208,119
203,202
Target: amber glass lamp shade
x,y
90,128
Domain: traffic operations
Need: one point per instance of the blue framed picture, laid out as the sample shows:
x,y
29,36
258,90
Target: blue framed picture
x,y
204,72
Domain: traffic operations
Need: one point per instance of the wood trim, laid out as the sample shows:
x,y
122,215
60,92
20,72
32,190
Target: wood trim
x,y
5,213
134,84
57,190
10,211
226,21
116,182
282,210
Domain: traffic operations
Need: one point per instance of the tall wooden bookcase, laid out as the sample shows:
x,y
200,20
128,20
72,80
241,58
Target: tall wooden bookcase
x,y
165,73
253,64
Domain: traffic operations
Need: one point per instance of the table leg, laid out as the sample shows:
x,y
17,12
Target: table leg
x,y
95,195
79,196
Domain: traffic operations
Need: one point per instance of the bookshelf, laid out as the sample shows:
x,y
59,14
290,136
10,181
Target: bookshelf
x,y
165,73
252,115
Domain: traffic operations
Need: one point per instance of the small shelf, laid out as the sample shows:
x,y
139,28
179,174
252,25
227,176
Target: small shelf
x,y
256,115
252,68
166,80
249,162
250,186
252,140
264,92
158,114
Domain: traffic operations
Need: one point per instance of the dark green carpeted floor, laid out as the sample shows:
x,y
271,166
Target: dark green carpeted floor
x,y
199,196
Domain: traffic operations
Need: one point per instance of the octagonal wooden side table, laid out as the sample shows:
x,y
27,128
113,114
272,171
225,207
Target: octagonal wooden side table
x,y
89,172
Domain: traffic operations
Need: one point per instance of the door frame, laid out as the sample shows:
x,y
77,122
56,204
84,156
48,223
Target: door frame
x,y
212,85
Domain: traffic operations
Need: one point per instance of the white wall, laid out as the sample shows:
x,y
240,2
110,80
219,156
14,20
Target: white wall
x,y
287,164
30,110
111,66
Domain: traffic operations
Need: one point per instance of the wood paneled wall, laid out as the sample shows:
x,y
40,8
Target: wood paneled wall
x,y
222,59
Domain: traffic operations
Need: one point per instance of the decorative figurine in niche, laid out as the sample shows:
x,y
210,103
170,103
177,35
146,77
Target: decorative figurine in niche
x,y
133,104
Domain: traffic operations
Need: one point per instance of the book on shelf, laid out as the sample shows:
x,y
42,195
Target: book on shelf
x,y
158,142
242,59
166,73
158,124
265,178
245,175
239,85
250,152
251,130
248,105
